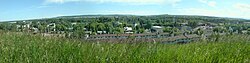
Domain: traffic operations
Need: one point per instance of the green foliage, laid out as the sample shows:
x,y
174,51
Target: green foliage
x,y
25,48
93,26
148,25
118,30
199,32
79,31
109,24
141,30
100,26
42,28
168,30
61,27
193,24
220,30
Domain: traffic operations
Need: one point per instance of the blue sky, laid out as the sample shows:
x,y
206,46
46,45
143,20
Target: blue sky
x,y
33,9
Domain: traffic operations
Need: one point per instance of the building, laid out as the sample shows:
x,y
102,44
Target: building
x,y
51,27
128,30
73,23
156,29
35,30
101,32
135,24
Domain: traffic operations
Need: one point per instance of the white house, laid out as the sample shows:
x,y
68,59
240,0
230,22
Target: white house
x,y
157,29
135,24
101,32
73,23
35,29
52,26
128,30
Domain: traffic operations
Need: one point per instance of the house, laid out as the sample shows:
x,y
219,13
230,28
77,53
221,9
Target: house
x,y
156,29
204,28
101,32
184,24
73,23
128,30
18,27
207,29
27,25
88,32
51,27
70,28
244,31
135,24
35,30
118,23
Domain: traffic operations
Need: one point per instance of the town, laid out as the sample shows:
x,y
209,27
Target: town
x,y
93,27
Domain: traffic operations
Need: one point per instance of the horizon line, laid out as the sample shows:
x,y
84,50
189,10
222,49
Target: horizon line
x,y
115,14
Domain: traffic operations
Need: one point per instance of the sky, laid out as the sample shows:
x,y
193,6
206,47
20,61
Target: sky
x,y
36,9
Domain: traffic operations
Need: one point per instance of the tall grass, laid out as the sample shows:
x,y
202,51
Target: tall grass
x,y
25,48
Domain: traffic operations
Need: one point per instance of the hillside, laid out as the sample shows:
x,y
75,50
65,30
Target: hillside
x,y
164,17
25,48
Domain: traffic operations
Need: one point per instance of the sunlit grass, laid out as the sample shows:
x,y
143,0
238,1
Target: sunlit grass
x,y
23,48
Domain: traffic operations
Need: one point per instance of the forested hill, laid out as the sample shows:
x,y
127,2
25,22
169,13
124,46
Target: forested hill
x,y
165,16
140,18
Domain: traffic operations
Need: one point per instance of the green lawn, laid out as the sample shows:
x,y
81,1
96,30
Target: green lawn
x,y
24,48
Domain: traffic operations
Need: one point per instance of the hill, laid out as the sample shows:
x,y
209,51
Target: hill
x,y
164,17
20,47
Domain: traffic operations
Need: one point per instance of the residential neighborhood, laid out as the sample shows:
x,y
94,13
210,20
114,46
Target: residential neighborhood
x,y
123,27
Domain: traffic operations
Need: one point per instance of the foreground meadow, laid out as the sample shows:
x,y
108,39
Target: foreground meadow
x,y
25,48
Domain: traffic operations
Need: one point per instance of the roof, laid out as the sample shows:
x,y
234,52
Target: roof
x,y
128,28
156,27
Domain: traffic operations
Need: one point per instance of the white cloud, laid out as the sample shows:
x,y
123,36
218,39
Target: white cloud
x,y
60,1
209,3
139,2
242,7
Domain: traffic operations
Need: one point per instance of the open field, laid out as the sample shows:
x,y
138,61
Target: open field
x,y
25,48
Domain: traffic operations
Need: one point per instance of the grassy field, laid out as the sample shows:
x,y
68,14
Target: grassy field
x,y
24,48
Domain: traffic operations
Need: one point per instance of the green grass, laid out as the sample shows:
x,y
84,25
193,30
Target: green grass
x,y
25,48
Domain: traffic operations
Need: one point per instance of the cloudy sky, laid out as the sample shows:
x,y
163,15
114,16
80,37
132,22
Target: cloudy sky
x,y
33,9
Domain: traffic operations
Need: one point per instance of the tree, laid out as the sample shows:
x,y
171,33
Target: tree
x,y
248,31
219,30
141,30
42,28
193,24
78,31
61,27
108,27
100,27
168,30
118,30
199,32
92,26
148,25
